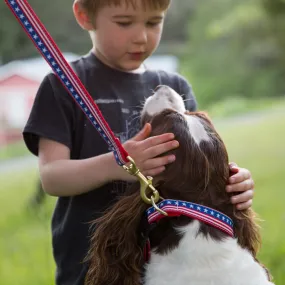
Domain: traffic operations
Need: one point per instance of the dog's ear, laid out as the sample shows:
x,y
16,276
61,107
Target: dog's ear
x,y
116,254
247,230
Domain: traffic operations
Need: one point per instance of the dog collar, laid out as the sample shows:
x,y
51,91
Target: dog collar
x,y
175,208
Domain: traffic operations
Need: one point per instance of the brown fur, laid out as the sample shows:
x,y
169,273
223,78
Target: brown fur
x,y
199,174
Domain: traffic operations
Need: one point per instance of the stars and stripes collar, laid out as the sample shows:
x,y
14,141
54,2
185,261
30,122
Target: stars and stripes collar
x,y
202,213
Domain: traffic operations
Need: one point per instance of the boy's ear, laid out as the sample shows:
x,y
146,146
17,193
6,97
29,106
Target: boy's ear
x,y
82,16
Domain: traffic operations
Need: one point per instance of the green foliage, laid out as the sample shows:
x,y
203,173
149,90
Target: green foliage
x,y
256,143
276,14
57,16
233,52
234,48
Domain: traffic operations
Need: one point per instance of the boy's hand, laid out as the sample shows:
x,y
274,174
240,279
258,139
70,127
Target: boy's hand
x,y
144,150
241,182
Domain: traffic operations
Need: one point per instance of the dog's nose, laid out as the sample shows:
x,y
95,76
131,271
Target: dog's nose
x,y
158,87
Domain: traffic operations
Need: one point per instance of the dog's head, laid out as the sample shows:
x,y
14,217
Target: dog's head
x,y
199,174
201,169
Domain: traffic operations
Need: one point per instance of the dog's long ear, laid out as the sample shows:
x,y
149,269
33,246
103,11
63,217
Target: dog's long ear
x,y
247,230
115,251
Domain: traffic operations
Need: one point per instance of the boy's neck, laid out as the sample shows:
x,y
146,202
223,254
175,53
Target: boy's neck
x,y
139,70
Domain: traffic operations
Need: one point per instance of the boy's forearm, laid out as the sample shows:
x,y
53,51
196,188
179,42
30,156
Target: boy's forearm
x,y
75,177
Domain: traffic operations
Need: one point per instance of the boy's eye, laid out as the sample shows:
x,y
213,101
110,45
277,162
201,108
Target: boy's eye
x,y
153,24
124,24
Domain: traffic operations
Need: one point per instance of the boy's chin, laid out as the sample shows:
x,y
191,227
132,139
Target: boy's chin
x,y
131,66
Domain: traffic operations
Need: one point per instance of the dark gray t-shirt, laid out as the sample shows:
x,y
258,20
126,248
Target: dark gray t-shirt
x,y
55,116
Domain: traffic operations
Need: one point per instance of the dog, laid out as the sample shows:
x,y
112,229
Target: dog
x,y
216,245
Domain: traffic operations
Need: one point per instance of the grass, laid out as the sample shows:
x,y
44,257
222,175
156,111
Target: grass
x,y
25,241
260,147
235,106
257,144
13,150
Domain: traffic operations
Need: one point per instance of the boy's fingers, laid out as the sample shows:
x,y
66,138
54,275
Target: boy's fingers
x,y
155,171
160,149
233,168
241,186
244,206
242,198
143,134
159,162
157,140
233,165
242,175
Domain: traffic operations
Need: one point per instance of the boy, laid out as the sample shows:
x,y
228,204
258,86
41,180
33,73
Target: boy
x,y
74,161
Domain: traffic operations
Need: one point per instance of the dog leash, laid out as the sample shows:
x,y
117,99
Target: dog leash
x,y
51,53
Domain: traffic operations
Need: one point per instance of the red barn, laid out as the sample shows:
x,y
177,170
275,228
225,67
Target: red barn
x,y
19,82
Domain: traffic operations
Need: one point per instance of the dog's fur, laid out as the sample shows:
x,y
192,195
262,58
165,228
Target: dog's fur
x,y
184,251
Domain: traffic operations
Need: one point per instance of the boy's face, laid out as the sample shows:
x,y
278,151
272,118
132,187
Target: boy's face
x,y
124,37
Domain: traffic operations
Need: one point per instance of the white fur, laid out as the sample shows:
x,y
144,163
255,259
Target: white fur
x,y
196,129
166,98
161,100
201,261
197,260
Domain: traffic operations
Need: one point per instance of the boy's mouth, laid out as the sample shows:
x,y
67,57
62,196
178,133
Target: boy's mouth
x,y
137,55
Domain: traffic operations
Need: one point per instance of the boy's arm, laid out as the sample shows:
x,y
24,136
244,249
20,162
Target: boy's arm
x,y
61,176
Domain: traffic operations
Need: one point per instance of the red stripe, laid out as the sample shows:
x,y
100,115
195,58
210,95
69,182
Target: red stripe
x,y
198,214
184,207
192,213
210,221
177,210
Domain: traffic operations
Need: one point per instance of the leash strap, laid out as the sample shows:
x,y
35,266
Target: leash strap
x,y
51,53
202,213
146,251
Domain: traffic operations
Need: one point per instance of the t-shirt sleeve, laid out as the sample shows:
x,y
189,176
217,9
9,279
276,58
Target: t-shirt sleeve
x,y
187,93
51,116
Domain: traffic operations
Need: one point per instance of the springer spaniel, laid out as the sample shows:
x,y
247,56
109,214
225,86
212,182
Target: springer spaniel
x,y
213,245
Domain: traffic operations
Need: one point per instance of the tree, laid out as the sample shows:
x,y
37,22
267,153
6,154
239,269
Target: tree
x,y
231,52
57,16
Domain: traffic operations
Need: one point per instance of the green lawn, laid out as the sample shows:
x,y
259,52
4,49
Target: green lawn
x,y
256,143
259,145
25,241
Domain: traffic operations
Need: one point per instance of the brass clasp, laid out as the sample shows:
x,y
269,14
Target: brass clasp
x,y
145,185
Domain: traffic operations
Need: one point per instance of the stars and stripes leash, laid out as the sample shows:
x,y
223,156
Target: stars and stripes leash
x,y
202,213
51,53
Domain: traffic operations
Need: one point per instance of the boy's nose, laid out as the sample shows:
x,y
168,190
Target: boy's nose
x,y
140,36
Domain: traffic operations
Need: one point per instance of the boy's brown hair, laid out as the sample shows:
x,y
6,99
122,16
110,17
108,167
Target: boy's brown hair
x,y
93,6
